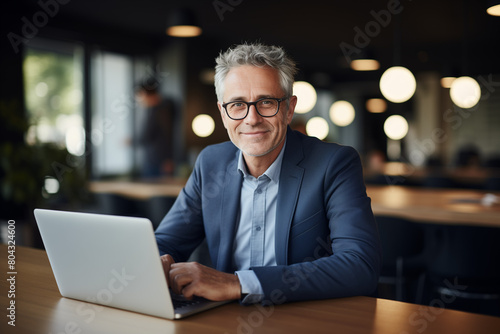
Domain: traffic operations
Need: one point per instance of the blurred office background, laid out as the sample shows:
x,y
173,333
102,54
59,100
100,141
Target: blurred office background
x,y
70,69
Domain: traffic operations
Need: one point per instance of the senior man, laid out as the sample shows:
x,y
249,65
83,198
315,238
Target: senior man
x,y
285,216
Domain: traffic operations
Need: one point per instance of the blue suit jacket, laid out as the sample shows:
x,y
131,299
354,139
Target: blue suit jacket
x,y
327,242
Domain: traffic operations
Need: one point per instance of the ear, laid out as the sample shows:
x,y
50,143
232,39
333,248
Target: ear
x,y
222,113
291,109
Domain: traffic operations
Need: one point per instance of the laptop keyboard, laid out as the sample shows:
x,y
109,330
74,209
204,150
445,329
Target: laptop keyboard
x,y
180,301
183,303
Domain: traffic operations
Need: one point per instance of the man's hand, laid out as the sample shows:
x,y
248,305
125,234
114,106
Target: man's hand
x,y
167,260
193,279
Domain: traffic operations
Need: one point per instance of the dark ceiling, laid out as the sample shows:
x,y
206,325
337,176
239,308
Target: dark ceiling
x,y
429,34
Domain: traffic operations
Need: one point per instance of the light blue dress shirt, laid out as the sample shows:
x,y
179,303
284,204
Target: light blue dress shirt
x,y
255,235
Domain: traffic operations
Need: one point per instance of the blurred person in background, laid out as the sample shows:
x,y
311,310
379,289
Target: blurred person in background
x,y
156,135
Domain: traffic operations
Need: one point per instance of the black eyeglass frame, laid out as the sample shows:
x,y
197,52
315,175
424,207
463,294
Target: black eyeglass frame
x,y
254,103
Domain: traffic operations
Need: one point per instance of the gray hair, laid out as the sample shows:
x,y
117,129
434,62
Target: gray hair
x,y
256,55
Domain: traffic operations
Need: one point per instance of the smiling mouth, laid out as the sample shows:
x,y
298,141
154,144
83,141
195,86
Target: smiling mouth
x,y
254,133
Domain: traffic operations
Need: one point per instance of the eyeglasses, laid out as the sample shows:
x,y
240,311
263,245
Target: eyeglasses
x,y
266,107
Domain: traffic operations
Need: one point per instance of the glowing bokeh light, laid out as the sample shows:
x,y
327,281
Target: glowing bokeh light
x,y
306,96
398,84
465,92
396,127
203,125
342,113
317,127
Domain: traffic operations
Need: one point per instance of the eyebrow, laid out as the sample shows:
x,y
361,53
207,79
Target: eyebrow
x,y
241,98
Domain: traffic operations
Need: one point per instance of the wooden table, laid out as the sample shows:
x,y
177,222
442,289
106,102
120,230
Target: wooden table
x,y
447,206
139,190
404,173
41,309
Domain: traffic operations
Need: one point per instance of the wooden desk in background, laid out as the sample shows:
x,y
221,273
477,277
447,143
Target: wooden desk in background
x,y
446,206
139,190
41,309
406,174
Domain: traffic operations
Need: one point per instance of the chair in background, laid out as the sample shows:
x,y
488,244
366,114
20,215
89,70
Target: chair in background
x,y
464,272
492,183
493,162
436,176
438,181
113,204
467,156
402,245
156,207
492,165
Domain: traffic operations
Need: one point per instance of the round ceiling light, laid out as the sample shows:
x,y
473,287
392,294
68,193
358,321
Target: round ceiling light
x,y
306,96
317,127
494,10
465,92
398,84
396,127
342,113
203,125
182,22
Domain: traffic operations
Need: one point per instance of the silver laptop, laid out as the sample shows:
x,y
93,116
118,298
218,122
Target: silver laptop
x,y
112,261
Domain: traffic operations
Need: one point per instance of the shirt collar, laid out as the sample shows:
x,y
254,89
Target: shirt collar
x,y
273,172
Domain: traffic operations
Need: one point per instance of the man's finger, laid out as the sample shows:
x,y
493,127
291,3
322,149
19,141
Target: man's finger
x,y
180,275
180,282
167,261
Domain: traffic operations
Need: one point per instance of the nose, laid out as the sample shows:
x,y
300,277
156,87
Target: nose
x,y
253,116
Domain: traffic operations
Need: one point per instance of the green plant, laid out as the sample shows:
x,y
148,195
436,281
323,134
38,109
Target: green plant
x,y
24,168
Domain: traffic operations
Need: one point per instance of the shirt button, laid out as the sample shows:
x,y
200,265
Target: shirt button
x,y
258,228
258,191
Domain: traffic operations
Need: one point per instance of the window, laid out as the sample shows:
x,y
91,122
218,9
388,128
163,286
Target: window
x,y
54,83
54,94
113,103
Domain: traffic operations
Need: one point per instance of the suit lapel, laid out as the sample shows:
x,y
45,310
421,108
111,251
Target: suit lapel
x,y
290,180
229,215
